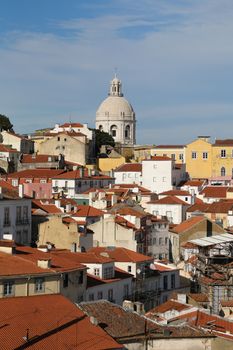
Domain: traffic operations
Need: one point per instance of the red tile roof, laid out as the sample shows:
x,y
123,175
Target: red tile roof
x,y
167,306
175,193
187,224
82,258
215,191
72,125
226,303
35,173
129,167
226,142
170,146
168,200
46,206
201,207
59,263
53,322
158,158
121,254
38,158
194,183
199,297
4,148
87,211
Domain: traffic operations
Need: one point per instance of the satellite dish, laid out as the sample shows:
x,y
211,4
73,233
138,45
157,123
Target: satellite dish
x,y
152,266
138,271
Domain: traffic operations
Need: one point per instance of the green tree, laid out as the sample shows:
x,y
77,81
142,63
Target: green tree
x,y
5,123
102,138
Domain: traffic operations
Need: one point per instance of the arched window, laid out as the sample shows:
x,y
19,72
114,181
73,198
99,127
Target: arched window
x,y
223,171
127,132
100,127
113,130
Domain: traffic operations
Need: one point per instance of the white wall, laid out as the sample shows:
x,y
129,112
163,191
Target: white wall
x,y
157,175
127,177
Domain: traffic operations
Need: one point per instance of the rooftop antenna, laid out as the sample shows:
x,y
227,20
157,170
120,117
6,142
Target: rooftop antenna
x,y
115,69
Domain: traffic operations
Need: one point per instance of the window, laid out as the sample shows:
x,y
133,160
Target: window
x,y
80,279
6,216
108,272
223,171
194,155
8,288
181,156
186,199
43,181
65,280
173,281
25,214
160,240
127,132
96,272
154,241
205,155
39,285
18,215
25,236
129,268
110,295
173,156
223,153
166,240
113,130
100,295
126,290
18,237
165,283
58,139
91,297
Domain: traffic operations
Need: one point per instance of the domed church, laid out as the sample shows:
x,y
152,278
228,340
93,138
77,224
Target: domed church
x,y
116,116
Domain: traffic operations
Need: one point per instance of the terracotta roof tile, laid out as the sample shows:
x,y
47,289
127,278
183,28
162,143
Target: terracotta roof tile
x,y
158,158
121,254
187,224
199,297
176,193
214,191
168,200
169,305
53,322
35,173
87,211
129,167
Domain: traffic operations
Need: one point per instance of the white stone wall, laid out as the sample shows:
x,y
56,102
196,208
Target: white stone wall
x,y
157,175
127,177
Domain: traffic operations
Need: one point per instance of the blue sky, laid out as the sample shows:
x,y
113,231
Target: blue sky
x,y
175,60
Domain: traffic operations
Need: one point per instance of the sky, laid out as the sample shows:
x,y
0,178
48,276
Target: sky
x,y
174,58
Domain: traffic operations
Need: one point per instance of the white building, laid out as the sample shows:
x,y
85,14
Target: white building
x,y
157,174
116,116
15,217
73,127
171,207
74,182
128,173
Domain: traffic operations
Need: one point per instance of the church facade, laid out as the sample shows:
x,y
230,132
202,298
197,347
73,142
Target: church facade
x,y
116,116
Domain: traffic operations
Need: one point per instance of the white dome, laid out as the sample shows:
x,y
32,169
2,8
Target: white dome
x,y
115,107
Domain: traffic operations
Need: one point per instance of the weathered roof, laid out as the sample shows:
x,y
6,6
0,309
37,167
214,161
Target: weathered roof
x,y
187,224
216,239
52,322
121,254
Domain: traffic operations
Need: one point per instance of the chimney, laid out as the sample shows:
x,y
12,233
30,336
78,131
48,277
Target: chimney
x,y
21,191
7,246
68,207
44,263
128,305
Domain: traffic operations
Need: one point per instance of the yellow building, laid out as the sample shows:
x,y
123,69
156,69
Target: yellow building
x,y
176,152
222,159
198,156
